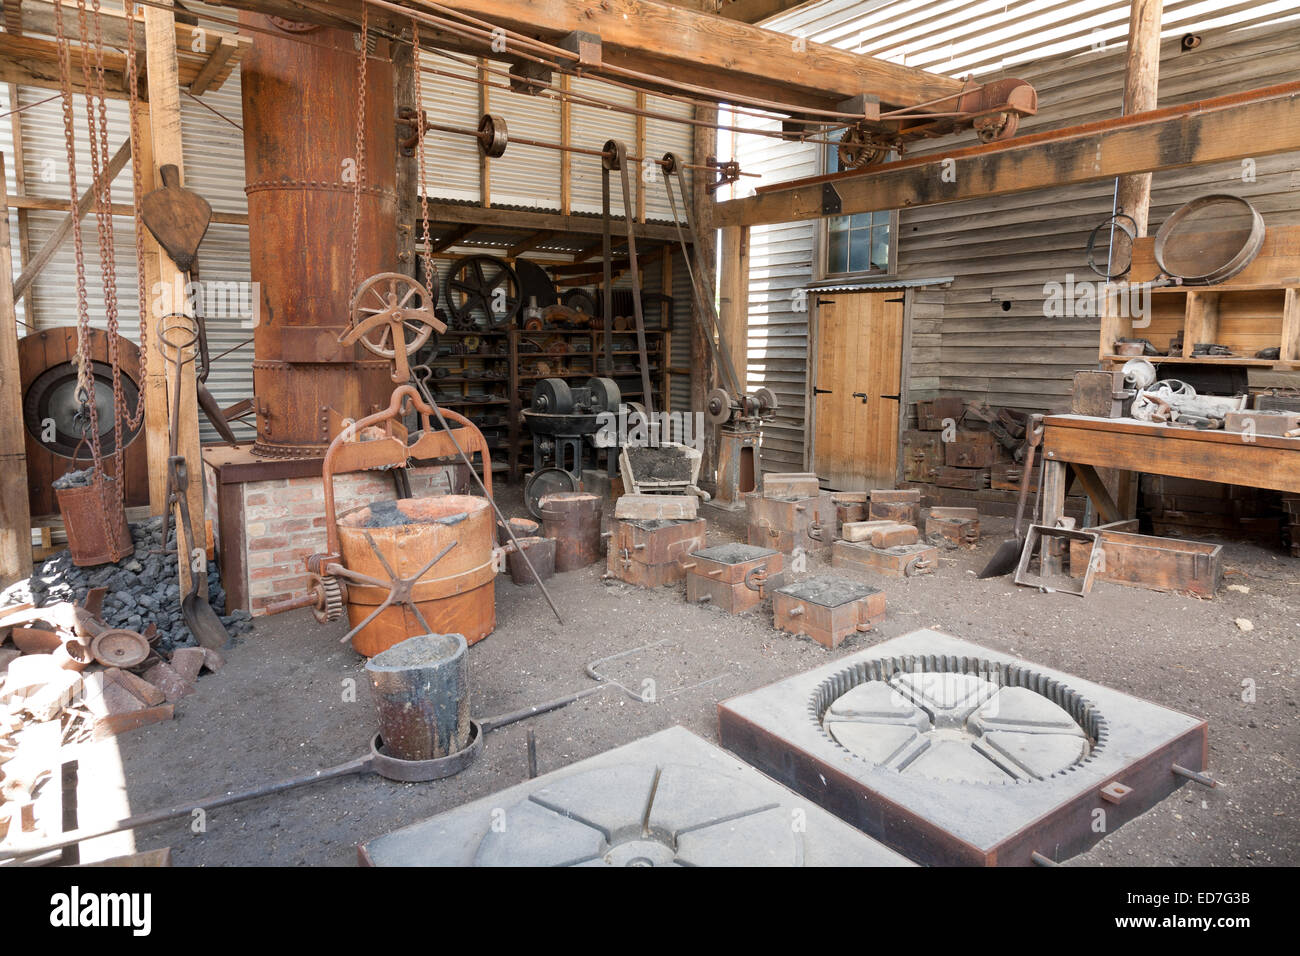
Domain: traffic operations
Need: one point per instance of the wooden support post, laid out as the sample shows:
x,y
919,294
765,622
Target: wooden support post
x,y
703,371
15,515
156,427
1055,480
1141,79
733,296
165,129
566,139
20,181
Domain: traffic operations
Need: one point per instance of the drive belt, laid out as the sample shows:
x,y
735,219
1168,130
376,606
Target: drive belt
x,y
616,159
700,284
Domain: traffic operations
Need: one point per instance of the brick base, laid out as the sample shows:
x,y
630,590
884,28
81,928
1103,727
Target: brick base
x,y
266,528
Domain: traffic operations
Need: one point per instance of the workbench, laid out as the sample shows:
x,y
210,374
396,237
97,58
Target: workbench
x,y
1082,444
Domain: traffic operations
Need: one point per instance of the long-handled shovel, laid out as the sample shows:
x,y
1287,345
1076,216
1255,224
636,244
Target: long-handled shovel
x,y
1007,557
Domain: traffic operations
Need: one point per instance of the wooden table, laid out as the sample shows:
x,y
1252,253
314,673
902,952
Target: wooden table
x,y
1083,444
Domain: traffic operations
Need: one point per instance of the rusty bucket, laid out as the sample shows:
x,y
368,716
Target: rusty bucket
x,y
87,523
455,595
541,552
521,527
572,518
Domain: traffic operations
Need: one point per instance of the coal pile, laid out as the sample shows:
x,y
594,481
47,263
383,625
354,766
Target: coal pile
x,y
143,589
75,479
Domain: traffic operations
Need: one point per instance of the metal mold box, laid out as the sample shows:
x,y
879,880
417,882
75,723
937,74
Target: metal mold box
x,y
670,799
963,755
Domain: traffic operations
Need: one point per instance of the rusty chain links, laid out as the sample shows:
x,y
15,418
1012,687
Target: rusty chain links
x,y
134,419
89,412
419,145
360,148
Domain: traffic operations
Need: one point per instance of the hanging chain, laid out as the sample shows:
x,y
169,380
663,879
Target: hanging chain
x,y
360,149
424,193
134,419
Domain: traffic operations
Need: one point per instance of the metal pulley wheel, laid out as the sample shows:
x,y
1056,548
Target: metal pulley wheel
x,y
493,136
637,417
404,303
860,147
717,407
535,283
998,126
545,482
613,154
52,399
118,647
605,394
580,300
483,286
552,396
767,402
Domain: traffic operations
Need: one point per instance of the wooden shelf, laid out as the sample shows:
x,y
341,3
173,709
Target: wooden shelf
x,y
1258,309
1247,361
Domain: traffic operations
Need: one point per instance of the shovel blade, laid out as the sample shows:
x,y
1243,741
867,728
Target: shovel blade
x,y
1005,559
203,622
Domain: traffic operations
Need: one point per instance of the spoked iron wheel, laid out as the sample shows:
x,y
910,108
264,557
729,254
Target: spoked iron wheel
x,y
482,292
394,293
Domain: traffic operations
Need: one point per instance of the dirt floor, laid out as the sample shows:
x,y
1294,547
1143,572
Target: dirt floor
x,y
282,706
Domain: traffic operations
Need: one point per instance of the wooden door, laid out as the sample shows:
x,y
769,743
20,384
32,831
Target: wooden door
x,y
856,379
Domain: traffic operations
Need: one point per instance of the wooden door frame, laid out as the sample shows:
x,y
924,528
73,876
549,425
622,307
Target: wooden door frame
x,y
810,372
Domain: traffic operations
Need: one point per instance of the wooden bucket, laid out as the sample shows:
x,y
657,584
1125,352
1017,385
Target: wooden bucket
x,y
456,595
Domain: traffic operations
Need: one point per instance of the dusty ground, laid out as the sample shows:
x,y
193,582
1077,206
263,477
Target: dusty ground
x,y
278,708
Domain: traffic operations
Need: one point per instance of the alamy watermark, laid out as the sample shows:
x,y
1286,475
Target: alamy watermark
x,y
210,298
1089,299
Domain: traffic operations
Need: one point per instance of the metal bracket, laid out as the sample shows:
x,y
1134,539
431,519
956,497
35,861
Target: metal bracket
x,y
831,203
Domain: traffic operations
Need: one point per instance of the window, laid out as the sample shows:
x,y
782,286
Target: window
x,y
862,243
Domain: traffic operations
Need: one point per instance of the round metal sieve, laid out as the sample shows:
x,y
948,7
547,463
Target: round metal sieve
x,y
1210,239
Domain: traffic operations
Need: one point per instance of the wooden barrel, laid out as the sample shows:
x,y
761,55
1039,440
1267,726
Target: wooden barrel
x,y
572,518
421,691
455,596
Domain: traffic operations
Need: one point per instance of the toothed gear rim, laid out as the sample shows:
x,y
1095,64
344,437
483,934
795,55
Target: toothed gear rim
x,y
888,713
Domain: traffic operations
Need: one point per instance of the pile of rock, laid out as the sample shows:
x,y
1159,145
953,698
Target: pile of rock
x,y
143,589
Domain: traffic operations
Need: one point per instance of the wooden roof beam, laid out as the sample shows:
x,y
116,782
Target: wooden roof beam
x,y
1255,123
735,59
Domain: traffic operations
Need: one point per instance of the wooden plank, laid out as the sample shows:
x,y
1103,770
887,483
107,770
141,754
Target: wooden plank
x,y
1256,123
1202,320
522,220
1096,490
1141,78
165,129
1265,463
64,229
703,49
15,515
217,59
1291,327
117,209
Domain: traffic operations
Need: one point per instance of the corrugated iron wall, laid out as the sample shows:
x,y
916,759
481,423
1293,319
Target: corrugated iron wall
x,y
986,336
214,168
